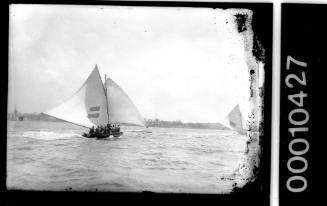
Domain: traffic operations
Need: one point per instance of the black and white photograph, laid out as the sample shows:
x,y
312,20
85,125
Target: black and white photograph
x,y
125,98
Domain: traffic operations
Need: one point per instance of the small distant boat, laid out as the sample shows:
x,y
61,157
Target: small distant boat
x,y
15,116
97,104
234,120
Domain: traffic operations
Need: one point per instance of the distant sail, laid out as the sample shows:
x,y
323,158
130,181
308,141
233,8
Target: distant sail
x,y
87,107
120,107
234,120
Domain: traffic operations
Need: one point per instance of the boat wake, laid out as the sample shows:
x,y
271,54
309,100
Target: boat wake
x,y
139,130
43,135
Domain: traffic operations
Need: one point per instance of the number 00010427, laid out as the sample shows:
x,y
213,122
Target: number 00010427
x,y
298,118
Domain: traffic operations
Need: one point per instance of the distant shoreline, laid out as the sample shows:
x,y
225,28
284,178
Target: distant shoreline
x,y
149,122
179,124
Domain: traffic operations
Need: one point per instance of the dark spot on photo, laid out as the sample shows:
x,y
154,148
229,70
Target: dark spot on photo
x,y
240,20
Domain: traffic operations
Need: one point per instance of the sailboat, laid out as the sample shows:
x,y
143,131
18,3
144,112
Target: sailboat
x,y
234,120
16,116
97,104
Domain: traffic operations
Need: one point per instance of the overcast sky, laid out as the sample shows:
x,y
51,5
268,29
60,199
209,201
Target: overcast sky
x,y
175,63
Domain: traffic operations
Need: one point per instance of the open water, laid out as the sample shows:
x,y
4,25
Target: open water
x,y
54,156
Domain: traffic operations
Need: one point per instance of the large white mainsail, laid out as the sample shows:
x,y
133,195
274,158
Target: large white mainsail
x,y
120,107
234,120
87,107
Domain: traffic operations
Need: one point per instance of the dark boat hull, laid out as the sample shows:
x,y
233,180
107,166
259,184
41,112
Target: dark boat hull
x,y
101,136
118,134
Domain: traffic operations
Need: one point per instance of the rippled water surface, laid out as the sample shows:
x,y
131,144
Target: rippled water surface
x,y
54,156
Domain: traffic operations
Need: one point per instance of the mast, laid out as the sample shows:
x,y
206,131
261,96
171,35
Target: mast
x,y
105,89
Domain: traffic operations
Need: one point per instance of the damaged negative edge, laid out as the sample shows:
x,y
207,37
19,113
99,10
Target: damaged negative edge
x,y
249,169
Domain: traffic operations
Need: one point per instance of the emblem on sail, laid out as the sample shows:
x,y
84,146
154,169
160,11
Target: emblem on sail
x,y
95,104
234,120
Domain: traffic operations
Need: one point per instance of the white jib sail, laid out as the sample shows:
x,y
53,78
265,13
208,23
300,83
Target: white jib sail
x,y
234,120
120,106
87,107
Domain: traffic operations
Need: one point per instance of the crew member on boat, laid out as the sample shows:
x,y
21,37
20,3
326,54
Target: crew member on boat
x,y
91,132
97,132
108,128
118,128
112,128
101,129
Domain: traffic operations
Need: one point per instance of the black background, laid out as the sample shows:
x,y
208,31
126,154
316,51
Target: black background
x,y
304,38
